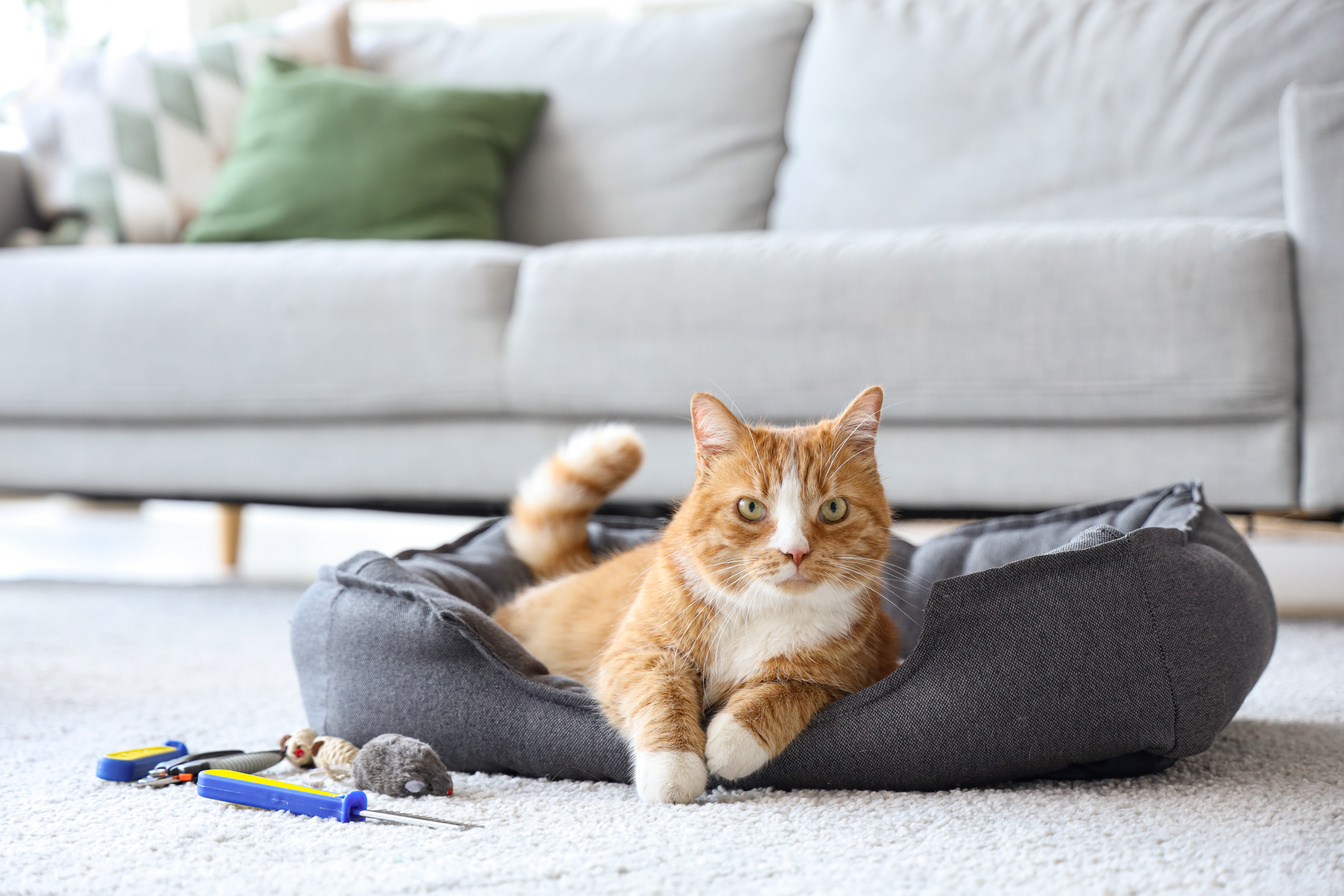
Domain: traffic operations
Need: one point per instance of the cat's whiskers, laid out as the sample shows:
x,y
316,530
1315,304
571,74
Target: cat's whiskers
x,y
889,564
722,564
882,591
899,609
858,580
896,606
902,571
858,558
726,585
730,586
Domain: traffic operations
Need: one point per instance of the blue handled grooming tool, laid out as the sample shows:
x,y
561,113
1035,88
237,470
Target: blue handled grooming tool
x,y
130,765
268,793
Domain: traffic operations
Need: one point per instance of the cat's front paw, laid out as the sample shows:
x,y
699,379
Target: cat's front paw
x,y
732,751
669,777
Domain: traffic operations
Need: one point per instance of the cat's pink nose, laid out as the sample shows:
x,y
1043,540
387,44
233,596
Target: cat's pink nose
x,y
797,554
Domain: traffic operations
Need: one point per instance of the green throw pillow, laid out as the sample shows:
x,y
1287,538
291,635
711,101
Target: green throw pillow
x,y
323,152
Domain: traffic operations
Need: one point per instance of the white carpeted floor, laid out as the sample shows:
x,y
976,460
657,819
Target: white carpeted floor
x,y
89,669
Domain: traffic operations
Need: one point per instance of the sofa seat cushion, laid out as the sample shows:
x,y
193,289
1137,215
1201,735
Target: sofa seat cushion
x,y
1137,321
667,124
915,112
282,330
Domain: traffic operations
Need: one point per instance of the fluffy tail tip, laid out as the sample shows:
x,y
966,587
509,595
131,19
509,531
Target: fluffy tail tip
x,y
605,456
549,524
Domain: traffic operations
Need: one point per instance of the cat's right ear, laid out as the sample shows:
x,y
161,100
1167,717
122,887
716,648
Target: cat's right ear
x,y
717,429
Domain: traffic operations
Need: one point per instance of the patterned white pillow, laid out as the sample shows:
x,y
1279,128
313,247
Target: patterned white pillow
x,y
132,142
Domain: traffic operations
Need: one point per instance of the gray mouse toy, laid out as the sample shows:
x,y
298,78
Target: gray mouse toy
x,y
396,765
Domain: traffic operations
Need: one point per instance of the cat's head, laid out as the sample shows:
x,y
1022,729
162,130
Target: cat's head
x,y
776,513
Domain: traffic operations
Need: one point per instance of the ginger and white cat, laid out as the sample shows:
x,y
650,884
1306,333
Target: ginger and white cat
x,y
760,603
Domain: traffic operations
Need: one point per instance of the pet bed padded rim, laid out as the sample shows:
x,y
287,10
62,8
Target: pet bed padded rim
x,y
556,688
364,572
568,692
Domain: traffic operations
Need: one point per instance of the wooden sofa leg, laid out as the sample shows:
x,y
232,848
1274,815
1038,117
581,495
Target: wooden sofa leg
x,y
230,532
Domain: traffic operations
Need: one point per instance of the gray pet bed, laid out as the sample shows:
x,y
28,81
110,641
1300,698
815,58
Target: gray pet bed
x,y
1090,641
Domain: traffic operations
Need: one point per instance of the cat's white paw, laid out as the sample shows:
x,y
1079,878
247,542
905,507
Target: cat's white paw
x,y
731,750
669,776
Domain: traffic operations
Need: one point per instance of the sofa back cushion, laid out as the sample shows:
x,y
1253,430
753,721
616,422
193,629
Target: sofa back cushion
x,y
909,112
664,125
1110,322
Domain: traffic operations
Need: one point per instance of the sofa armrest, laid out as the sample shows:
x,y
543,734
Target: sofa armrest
x,y
1312,128
15,208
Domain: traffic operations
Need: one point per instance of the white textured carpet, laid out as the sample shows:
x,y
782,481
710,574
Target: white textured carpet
x,y
88,669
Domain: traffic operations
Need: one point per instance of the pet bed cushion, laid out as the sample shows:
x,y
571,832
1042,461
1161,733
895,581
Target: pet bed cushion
x,y
1084,642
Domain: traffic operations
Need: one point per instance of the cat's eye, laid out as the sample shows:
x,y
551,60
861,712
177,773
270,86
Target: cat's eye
x,y
834,510
750,509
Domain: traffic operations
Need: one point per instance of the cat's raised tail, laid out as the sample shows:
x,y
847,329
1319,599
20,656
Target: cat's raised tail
x,y
548,528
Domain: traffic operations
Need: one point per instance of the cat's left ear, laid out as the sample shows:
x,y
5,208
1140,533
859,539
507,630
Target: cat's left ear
x,y
858,424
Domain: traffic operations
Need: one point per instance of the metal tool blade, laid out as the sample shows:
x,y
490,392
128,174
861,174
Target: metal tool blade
x,y
162,781
403,818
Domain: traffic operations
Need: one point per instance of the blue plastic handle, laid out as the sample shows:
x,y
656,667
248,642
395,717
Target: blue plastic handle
x,y
132,765
268,793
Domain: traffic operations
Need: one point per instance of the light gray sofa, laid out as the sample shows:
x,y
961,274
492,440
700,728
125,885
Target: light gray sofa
x,y
1088,248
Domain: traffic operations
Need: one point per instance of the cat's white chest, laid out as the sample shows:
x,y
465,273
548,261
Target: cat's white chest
x,y
744,642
